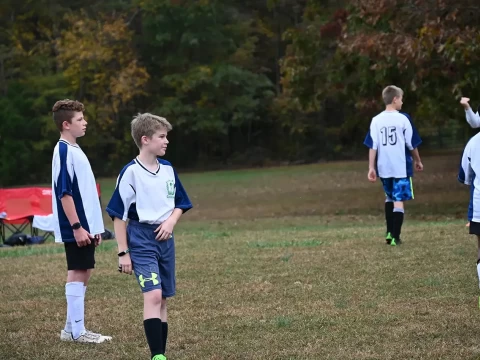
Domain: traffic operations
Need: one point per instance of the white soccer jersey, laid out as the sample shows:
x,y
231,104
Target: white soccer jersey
x,y
145,196
473,119
469,167
391,131
72,175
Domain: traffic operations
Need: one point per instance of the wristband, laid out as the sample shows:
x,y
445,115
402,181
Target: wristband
x,y
76,226
122,253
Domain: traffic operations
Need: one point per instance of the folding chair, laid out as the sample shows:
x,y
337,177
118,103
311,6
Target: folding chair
x,y
14,225
19,205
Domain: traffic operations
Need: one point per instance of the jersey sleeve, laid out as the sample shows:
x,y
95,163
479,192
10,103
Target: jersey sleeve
x,y
368,142
465,173
372,136
181,198
123,196
408,131
63,182
473,119
416,140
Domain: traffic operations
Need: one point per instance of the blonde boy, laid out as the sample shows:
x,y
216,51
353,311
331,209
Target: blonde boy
x,y
393,140
150,196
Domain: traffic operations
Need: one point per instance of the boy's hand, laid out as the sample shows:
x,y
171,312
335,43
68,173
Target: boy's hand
x,y
82,237
165,230
125,264
418,166
464,101
98,239
372,175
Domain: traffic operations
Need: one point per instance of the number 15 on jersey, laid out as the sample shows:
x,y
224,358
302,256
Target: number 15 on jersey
x,y
389,135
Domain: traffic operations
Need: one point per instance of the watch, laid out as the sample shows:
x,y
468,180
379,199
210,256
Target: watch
x,y
76,226
125,252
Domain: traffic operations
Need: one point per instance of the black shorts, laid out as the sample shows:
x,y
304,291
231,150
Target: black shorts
x,y
80,258
474,228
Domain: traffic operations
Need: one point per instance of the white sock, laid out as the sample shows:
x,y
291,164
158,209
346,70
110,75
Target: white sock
x,y
478,272
68,323
84,292
75,307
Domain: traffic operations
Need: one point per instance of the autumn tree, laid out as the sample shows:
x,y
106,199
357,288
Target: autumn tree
x,y
97,58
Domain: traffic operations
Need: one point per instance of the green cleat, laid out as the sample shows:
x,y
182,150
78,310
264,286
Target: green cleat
x,y
393,243
388,238
159,357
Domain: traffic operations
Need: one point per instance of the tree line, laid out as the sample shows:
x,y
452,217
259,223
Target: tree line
x,y
244,83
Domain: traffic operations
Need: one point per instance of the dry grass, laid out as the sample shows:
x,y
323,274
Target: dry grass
x,y
259,279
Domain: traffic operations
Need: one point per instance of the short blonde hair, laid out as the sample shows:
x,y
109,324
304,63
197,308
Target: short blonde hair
x,y
391,92
146,125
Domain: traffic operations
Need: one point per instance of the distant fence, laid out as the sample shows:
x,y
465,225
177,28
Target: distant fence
x,y
453,135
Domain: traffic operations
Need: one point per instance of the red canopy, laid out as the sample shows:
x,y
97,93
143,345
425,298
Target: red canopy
x,y
21,203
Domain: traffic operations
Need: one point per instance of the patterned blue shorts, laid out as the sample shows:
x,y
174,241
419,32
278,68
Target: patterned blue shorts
x,y
153,261
398,189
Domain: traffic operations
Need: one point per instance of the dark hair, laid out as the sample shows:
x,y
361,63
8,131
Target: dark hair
x,y
64,110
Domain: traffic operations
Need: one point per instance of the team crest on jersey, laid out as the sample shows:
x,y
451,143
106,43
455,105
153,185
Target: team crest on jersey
x,y
170,189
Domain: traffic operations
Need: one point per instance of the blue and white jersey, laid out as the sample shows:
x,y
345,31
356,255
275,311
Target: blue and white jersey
x,y
393,135
469,167
72,175
145,196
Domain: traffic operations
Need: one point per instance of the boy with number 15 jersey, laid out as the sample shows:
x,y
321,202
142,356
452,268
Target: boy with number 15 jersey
x,y
393,141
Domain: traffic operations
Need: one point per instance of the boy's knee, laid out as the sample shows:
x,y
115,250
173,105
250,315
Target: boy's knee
x,y
153,297
78,276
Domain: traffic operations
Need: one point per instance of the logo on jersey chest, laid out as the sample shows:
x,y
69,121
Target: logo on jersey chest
x,y
170,189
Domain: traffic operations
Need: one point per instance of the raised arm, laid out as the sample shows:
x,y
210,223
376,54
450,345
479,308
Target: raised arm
x,y
473,119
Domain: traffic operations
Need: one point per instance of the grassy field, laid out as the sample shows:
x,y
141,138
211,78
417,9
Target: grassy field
x,y
281,263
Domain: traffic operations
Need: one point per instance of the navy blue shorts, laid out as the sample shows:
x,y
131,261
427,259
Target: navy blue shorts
x,y
400,189
153,261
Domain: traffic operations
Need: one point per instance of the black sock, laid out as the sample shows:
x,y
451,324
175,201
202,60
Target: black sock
x,y
397,224
153,332
164,337
389,216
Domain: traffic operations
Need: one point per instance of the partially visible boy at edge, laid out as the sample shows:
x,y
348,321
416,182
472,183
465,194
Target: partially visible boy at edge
x,y
469,168
473,119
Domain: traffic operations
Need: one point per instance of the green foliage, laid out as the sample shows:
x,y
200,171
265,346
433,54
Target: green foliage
x,y
245,83
27,134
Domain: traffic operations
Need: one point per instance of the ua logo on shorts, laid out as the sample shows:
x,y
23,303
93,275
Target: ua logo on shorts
x,y
153,279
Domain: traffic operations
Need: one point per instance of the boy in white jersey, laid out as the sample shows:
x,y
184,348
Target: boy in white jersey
x,y
391,135
469,168
151,197
76,209
473,119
